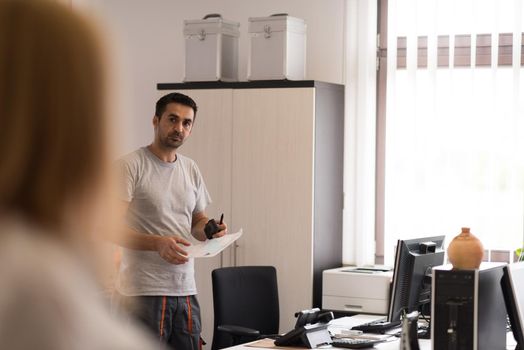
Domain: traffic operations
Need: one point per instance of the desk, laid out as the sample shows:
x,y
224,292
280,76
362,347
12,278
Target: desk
x,y
425,344
393,344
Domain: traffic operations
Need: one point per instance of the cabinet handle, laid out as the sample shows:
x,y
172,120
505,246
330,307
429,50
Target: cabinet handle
x,y
235,246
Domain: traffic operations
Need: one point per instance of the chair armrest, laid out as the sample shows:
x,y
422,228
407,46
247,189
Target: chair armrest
x,y
239,331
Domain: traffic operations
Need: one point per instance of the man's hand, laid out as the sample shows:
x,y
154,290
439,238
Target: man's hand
x,y
170,249
222,230
198,226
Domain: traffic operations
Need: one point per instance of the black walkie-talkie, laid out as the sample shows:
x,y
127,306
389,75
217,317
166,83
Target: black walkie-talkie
x,y
212,227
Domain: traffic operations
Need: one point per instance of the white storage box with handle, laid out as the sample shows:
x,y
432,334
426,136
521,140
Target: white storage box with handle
x,y
211,49
277,48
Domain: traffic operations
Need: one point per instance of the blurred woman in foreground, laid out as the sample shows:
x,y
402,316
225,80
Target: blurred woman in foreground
x,y
54,181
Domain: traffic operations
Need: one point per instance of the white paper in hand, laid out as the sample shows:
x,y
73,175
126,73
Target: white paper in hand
x,y
211,247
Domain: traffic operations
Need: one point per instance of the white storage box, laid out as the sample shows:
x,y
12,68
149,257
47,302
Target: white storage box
x,y
211,49
277,48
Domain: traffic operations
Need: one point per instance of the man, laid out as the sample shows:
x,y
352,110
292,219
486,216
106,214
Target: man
x,y
165,198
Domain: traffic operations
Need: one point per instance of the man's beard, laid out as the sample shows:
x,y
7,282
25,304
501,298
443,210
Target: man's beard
x,y
172,141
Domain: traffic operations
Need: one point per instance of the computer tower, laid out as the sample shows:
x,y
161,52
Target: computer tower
x,y
467,308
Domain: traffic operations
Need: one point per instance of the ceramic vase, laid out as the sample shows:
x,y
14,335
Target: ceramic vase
x,y
465,250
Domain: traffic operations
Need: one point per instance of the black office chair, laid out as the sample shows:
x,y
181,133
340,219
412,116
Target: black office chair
x,y
245,303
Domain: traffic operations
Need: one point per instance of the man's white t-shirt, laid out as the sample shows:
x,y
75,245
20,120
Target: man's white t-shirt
x,y
163,198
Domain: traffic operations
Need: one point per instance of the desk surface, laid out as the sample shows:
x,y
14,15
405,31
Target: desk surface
x,y
425,344
391,344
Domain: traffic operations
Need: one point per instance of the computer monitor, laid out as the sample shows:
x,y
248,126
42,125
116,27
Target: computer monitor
x,y
513,289
411,286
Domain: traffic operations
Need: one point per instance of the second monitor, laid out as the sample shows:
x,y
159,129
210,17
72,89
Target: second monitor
x,y
411,285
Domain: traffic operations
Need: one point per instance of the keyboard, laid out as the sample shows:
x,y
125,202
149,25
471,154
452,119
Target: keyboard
x,y
354,343
379,326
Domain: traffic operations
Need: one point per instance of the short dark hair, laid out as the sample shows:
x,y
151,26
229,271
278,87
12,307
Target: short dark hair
x,y
174,97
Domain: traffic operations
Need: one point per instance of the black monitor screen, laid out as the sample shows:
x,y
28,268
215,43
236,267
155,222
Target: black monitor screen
x,y
513,289
411,287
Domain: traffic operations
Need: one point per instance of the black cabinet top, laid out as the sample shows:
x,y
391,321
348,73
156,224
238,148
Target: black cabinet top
x,y
256,84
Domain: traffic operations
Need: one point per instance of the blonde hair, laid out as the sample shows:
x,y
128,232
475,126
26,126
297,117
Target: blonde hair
x,y
53,119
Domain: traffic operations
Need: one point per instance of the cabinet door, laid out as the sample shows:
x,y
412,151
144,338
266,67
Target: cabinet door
x,y
209,145
272,198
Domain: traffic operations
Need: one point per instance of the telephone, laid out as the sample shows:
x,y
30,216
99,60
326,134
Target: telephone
x,y
311,316
310,330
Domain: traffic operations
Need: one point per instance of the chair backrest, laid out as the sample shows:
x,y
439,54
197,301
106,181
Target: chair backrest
x,y
245,296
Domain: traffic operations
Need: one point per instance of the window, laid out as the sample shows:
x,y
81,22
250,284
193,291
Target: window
x,y
450,133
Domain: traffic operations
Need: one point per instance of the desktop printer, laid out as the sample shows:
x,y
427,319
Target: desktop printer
x,y
468,310
357,289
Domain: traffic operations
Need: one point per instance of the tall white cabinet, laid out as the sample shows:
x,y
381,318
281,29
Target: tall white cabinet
x,y
271,153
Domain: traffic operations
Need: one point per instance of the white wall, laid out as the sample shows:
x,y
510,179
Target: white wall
x,y
149,37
